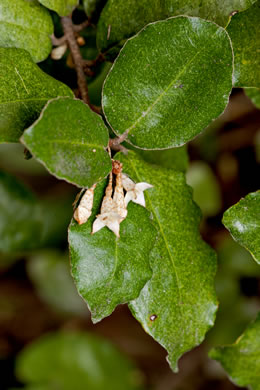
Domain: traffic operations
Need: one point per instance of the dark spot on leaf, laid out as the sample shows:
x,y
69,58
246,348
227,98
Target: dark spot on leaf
x,y
153,317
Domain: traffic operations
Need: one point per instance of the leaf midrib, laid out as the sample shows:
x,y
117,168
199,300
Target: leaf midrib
x,y
164,238
167,88
60,141
161,95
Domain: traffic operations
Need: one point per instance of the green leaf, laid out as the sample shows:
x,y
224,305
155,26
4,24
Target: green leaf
x,y
26,25
176,158
235,309
107,270
177,306
244,31
96,85
77,361
92,6
206,189
62,7
49,272
243,222
70,140
242,359
165,95
254,95
27,223
24,90
56,212
20,222
121,19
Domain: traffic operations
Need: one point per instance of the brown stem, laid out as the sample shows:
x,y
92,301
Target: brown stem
x,y
79,27
117,148
114,143
91,63
58,41
69,32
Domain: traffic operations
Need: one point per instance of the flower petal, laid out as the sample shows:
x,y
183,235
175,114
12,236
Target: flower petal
x,y
128,184
143,186
139,199
97,225
128,197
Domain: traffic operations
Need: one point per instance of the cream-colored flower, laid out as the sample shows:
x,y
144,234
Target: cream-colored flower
x,y
113,210
84,209
134,191
59,51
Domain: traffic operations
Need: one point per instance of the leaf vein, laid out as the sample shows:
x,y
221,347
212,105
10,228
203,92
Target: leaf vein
x,y
165,240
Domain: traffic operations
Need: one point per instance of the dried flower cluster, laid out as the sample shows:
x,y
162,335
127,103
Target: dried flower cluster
x,y
114,205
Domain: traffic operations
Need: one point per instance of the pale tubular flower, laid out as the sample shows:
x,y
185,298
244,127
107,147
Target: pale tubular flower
x,y
134,191
84,209
119,197
113,210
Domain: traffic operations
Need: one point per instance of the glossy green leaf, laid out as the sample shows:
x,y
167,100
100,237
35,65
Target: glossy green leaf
x,y
121,19
77,361
176,158
235,309
24,90
242,359
26,25
110,270
49,272
62,7
254,95
244,31
70,140
162,87
177,306
243,222
20,222
206,189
